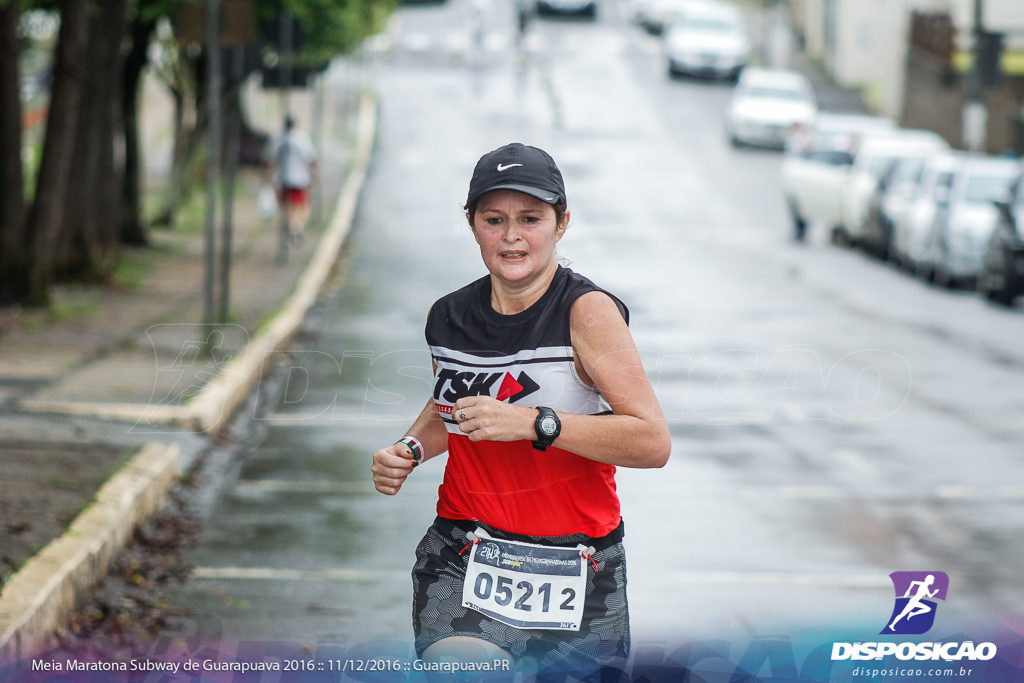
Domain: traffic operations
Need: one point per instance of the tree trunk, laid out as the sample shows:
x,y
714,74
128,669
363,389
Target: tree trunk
x,y
189,129
132,229
92,217
47,215
13,256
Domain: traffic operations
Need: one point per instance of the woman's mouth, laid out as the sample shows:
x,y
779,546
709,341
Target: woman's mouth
x,y
513,255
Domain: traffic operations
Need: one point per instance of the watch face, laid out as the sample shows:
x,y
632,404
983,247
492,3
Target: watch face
x,y
548,426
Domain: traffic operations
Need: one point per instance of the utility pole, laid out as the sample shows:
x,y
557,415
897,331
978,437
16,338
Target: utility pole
x,y
285,28
234,120
213,79
975,115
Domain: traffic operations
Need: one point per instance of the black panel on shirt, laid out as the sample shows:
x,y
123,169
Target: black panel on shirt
x,y
465,321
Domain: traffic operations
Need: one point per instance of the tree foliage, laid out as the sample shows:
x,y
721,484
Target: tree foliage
x,y
87,193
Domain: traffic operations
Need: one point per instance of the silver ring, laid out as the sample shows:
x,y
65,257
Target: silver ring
x,y
462,415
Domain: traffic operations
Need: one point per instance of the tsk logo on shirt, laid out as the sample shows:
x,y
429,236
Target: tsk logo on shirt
x,y
916,593
451,385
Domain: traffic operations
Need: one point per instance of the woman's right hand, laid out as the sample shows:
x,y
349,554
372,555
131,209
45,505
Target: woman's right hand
x,y
390,468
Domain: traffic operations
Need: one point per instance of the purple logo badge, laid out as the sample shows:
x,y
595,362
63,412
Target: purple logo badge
x,y
916,593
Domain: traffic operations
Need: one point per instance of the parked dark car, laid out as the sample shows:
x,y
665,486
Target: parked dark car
x,y
1002,274
584,8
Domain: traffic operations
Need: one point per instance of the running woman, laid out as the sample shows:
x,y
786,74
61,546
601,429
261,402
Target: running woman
x,y
539,394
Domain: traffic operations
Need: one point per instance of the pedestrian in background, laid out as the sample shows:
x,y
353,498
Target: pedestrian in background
x,y
293,167
539,393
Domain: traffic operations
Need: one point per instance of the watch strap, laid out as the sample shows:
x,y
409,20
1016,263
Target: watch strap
x,y
543,441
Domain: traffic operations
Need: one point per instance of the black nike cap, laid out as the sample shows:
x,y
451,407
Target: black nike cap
x,y
517,167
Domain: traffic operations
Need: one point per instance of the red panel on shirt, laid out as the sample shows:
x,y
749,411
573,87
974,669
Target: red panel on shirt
x,y
510,486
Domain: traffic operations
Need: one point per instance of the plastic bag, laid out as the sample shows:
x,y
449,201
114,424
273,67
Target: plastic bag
x,y
267,202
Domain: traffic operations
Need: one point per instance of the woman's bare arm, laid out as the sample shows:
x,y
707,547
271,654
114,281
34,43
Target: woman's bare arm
x,y
634,435
393,464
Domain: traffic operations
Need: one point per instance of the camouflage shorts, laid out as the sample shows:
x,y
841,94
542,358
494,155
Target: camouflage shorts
x,y
437,612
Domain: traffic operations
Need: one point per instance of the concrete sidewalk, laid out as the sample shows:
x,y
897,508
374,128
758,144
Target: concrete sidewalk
x,y
131,365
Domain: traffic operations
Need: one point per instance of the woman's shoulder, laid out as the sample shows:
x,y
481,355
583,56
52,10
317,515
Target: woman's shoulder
x,y
463,295
575,286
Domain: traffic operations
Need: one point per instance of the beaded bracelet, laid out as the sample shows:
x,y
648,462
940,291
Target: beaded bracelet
x,y
415,446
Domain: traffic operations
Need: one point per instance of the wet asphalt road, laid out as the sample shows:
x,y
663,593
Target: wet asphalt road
x,y
832,420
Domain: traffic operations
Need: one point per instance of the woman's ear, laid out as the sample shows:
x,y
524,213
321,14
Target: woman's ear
x,y
563,227
472,229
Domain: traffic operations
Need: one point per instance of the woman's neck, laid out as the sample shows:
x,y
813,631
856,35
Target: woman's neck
x,y
511,300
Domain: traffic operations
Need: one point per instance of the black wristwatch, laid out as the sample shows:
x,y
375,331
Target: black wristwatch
x,y
548,427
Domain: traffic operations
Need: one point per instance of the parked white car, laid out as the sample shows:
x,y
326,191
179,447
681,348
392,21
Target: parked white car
x,y
767,105
709,40
895,200
874,156
817,162
912,234
964,224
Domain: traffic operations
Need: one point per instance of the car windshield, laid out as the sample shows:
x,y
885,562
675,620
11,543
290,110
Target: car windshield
x,y
833,140
709,26
984,189
908,171
879,165
767,93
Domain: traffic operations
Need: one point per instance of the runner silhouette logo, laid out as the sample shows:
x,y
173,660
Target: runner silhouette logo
x,y
916,593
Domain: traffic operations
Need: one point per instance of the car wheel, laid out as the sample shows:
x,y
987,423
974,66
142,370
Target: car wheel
x,y
1001,295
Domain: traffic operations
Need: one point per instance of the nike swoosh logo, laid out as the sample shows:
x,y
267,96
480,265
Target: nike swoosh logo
x,y
504,167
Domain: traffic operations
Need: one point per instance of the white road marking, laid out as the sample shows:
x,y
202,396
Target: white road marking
x,y
730,578
270,574
284,486
291,420
973,493
780,578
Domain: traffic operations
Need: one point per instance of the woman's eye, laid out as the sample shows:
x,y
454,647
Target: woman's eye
x,y
494,221
530,219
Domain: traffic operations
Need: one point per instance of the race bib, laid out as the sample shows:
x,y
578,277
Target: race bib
x,y
525,585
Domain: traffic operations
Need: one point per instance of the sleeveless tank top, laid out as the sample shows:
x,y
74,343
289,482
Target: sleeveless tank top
x,y
526,359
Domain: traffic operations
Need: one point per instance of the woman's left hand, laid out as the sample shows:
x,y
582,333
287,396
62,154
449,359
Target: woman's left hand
x,y
487,419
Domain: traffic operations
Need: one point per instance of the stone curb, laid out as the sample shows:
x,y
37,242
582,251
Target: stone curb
x,y
216,402
38,599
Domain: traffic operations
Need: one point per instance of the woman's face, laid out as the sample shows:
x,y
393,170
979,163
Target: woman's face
x,y
517,235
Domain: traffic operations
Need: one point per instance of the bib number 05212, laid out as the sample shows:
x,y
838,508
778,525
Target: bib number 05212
x,y
527,586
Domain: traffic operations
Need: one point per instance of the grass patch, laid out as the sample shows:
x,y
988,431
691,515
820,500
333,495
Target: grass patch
x,y
268,317
63,311
63,483
191,218
131,271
